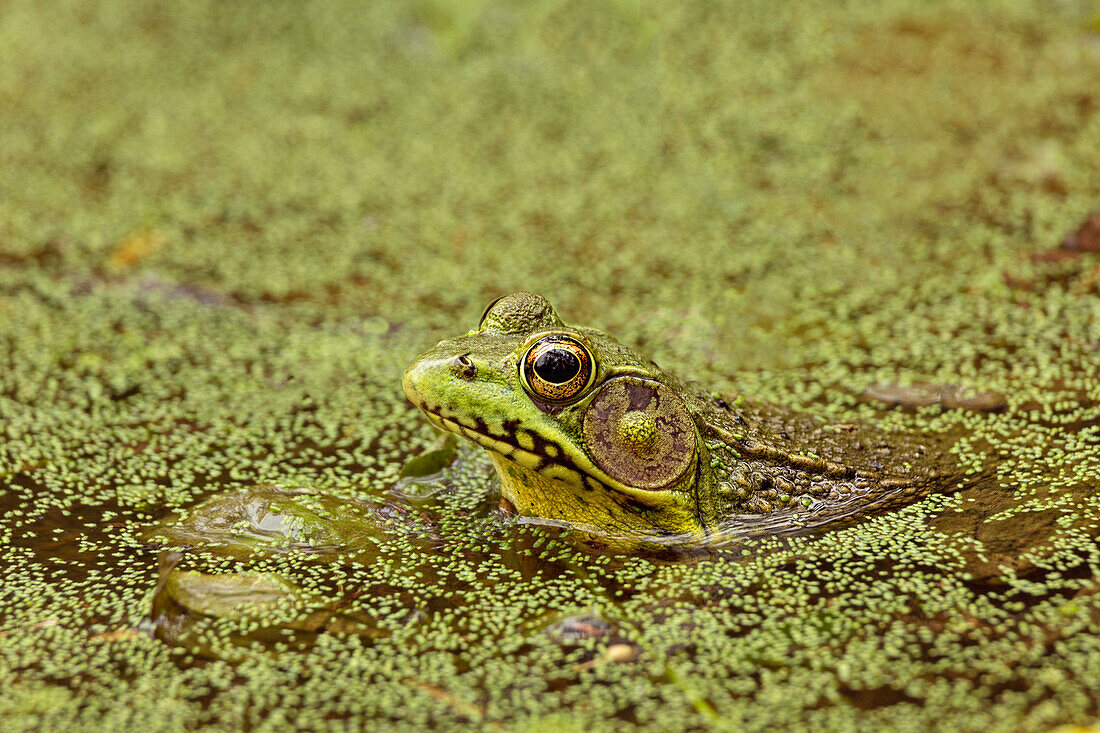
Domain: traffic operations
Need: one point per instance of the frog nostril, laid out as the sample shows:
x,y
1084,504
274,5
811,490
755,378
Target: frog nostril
x,y
464,367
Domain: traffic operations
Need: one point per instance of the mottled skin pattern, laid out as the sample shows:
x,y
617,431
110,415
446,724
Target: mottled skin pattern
x,y
640,453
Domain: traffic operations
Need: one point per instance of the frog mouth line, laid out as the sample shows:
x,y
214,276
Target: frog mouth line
x,y
508,449
531,459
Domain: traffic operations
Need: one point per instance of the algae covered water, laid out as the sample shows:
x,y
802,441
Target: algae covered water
x,y
226,230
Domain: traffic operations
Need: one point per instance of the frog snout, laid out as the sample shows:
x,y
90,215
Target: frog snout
x,y
417,379
429,380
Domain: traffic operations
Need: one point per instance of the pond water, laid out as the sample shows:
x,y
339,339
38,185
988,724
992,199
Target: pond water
x,y
225,231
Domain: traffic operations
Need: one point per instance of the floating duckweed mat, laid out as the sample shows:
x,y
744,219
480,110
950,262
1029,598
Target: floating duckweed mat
x,y
226,228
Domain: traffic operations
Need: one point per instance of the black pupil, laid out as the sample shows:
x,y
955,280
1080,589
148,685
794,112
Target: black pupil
x,y
557,365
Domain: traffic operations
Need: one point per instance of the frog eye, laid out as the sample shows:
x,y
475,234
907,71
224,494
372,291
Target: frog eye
x,y
557,368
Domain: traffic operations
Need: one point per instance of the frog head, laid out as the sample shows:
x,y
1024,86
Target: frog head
x,y
581,429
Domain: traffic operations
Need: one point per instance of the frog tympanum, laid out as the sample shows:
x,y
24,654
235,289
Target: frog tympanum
x,y
586,432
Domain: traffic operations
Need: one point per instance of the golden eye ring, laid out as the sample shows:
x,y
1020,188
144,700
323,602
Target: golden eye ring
x,y
557,368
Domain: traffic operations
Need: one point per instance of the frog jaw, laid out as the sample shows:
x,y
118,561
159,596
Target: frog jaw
x,y
543,467
602,510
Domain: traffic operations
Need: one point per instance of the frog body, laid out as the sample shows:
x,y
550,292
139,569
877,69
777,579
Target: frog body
x,y
587,432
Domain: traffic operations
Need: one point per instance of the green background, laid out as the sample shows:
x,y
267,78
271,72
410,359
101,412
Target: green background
x,y
225,228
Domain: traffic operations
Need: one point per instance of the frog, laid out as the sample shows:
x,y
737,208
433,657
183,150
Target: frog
x,y
585,432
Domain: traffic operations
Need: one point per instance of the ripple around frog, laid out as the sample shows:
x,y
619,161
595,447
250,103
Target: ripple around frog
x,y
221,597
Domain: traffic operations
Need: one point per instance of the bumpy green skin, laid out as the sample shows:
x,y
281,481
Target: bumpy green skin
x,y
643,453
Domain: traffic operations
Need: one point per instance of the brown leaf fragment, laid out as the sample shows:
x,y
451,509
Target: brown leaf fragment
x,y
136,248
1086,238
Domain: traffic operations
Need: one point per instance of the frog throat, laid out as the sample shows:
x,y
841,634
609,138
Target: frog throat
x,y
603,511
541,480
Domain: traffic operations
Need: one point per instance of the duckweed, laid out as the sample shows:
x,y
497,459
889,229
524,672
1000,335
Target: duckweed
x,y
226,229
